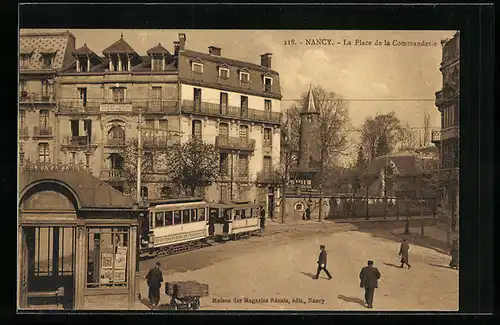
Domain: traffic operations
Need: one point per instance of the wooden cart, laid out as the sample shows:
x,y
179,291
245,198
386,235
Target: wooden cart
x,y
185,295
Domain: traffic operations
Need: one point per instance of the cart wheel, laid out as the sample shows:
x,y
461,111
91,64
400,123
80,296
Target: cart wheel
x,y
196,303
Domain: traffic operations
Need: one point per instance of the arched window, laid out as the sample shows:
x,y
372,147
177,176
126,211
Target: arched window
x,y
144,192
116,134
116,161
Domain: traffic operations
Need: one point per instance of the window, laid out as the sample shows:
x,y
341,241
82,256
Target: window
x,y
268,83
196,129
197,99
82,96
177,217
268,138
266,165
224,73
43,152
46,88
224,130
169,218
185,216
197,67
243,165
25,60
22,119
144,192
224,192
159,219
157,64
72,158
223,103
165,191
44,119
224,164
87,129
74,128
156,95
47,60
116,134
22,88
243,132
118,94
267,106
116,161
244,77
107,257
244,106
201,214
194,215
163,125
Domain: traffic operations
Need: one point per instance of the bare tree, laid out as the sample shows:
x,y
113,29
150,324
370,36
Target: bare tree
x,y
386,126
426,136
409,138
193,164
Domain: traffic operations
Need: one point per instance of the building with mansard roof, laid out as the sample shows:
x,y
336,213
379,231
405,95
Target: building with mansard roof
x,y
179,95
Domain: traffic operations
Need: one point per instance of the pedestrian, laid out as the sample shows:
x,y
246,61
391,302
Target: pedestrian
x,y
262,218
454,254
369,276
403,253
154,279
322,263
308,213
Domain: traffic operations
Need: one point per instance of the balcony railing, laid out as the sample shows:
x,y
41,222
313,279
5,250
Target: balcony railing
x,y
435,136
27,97
191,106
23,131
77,141
78,107
156,140
157,106
235,143
42,131
115,142
112,175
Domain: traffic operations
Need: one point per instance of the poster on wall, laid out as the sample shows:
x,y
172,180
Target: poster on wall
x,y
121,250
106,260
120,261
119,275
106,276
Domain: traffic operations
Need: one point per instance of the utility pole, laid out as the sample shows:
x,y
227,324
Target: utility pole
x,y
421,194
139,155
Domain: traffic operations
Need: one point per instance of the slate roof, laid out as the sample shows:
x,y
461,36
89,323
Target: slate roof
x,y
90,191
119,46
310,107
158,49
222,60
407,163
84,50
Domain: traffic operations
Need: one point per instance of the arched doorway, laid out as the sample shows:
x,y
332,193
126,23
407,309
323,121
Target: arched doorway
x,y
48,217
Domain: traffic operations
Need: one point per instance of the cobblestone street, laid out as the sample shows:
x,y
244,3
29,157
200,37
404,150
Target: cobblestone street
x,y
273,272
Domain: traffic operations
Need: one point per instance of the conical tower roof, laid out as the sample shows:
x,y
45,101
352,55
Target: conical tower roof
x,y
158,49
119,47
310,107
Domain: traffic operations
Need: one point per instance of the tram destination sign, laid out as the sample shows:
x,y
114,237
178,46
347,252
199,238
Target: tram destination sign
x,y
179,237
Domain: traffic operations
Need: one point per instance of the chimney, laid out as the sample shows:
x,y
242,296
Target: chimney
x,y
182,41
265,60
214,50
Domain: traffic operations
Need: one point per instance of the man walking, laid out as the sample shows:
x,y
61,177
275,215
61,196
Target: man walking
x,y
154,279
308,213
322,263
403,253
262,218
369,276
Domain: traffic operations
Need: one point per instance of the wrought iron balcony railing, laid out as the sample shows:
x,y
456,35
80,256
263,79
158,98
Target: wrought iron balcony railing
x,y
78,141
157,106
235,143
435,136
156,140
115,142
78,107
42,131
196,107
31,97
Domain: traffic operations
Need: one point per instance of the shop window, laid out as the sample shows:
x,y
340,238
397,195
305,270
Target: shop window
x,y
107,257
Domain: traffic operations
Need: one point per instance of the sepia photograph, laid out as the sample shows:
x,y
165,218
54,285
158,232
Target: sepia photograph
x,y
241,170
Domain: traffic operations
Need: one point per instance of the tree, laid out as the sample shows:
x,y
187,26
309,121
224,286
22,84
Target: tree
x,y
193,164
360,159
382,146
386,126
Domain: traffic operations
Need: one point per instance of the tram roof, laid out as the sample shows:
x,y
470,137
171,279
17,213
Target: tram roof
x,y
187,199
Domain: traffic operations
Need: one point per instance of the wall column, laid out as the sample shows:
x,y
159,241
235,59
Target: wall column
x,y
80,267
110,63
119,63
78,65
88,63
163,62
129,64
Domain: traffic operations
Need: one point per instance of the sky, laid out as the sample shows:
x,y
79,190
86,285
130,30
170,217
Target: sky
x,y
373,79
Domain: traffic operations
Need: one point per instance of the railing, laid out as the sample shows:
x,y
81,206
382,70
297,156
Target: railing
x,y
23,131
190,106
41,131
115,142
158,106
435,136
116,107
78,107
111,174
30,97
77,141
155,140
235,143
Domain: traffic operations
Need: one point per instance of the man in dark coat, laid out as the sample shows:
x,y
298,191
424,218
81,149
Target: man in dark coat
x,y
454,254
322,263
369,276
154,279
262,218
308,213
403,252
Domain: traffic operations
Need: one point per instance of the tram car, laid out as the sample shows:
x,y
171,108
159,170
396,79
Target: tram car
x,y
174,226
235,220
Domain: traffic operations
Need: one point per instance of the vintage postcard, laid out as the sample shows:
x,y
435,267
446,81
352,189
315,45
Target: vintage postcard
x,y
254,170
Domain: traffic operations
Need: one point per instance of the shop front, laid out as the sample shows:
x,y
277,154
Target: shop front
x,y
77,243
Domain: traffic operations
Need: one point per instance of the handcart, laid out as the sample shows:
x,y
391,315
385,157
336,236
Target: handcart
x,y
185,295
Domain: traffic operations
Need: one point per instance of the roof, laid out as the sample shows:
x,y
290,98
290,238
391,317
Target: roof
x,y
222,60
407,163
158,49
119,46
90,191
84,50
310,107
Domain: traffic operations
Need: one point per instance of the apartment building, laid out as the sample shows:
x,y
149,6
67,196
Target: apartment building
x,y
234,105
41,56
448,138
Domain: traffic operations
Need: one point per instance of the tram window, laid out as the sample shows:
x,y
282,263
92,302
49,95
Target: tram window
x,y
177,217
194,215
243,214
168,218
227,214
159,221
201,214
237,215
151,220
214,213
185,216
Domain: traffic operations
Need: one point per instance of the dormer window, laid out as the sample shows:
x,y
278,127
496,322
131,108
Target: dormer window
x,y
47,60
268,83
224,73
197,67
83,65
244,77
157,64
25,60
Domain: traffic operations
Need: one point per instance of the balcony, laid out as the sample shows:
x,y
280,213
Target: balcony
x,y
159,106
78,142
435,137
115,142
116,107
234,143
112,174
36,98
156,141
450,133
217,110
264,177
23,131
42,132
78,107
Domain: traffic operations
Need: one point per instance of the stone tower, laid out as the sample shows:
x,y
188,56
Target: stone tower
x,y
308,148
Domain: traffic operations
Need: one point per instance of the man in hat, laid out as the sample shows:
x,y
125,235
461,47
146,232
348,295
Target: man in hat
x,y
154,279
262,218
308,213
369,276
403,253
322,263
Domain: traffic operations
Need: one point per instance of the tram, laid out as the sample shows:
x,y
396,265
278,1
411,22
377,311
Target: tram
x,y
234,221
